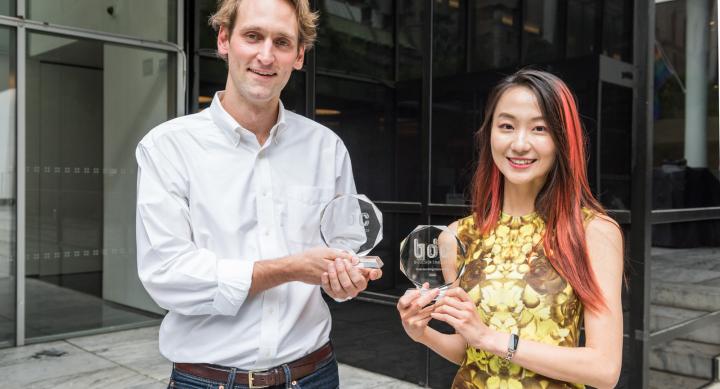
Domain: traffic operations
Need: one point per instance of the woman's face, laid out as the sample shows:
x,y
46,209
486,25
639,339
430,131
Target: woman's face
x,y
522,146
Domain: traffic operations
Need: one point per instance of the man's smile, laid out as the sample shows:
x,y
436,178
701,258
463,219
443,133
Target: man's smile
x,y
264,73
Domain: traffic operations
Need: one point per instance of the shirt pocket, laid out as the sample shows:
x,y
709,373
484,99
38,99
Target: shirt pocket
x,y
303,207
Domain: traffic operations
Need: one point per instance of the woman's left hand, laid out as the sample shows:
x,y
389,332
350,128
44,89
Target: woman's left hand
x,y
457,309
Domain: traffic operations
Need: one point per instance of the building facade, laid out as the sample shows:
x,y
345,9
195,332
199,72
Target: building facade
x,y
403,83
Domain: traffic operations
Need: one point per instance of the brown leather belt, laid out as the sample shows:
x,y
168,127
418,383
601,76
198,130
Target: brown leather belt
x,y
261,379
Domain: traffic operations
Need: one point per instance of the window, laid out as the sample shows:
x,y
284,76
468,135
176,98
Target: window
x,y
7,7
384,155
154,20
356,37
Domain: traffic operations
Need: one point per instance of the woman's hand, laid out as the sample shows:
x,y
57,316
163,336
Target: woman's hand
x,y
457,309
415,311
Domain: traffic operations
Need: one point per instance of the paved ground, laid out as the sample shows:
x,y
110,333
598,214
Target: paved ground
x,y
125,359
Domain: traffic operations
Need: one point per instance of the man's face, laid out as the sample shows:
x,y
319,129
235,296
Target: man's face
x,y
262,51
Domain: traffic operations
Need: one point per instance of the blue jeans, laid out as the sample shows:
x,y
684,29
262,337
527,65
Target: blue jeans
x,y
326,377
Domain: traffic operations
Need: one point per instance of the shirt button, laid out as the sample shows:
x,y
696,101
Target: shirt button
x,y
266,233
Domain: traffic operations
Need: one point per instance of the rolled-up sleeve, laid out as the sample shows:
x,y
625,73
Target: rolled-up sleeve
x,y
178,275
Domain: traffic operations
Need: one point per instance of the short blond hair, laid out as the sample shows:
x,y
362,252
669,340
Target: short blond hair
x,y
306,19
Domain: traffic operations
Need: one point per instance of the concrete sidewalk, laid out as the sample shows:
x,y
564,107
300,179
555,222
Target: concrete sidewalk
x,y
125,359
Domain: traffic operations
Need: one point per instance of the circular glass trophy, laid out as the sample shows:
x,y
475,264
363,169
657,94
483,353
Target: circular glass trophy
x,y
432,254
351,222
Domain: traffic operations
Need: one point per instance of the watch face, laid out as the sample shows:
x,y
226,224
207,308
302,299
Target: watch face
x,y
512,346
514,339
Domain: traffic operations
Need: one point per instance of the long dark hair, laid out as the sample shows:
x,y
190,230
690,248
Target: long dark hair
x,y
565,192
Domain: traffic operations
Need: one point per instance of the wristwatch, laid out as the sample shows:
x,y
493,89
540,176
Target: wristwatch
x,y
512,346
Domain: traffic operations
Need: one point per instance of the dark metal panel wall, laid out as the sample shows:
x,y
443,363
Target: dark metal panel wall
x,y
639,242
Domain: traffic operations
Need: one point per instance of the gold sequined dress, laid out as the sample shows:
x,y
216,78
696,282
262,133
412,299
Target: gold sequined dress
x,y
515,290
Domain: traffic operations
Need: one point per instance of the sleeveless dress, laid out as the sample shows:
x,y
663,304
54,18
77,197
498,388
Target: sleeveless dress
x,y
515,289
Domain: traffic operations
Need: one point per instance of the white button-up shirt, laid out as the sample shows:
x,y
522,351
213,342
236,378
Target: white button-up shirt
x,y
210,202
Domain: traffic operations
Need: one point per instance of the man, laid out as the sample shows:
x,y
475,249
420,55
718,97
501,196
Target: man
x,y
224,197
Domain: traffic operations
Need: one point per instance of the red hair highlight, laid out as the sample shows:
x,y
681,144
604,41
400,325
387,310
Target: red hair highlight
x,y
565,193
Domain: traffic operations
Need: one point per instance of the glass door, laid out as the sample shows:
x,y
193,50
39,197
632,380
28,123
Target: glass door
x,y
8,191
88,104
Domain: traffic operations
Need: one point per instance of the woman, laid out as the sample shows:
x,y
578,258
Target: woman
x,y
543,256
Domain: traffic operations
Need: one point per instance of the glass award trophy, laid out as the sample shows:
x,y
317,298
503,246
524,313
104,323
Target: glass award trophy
x,y
432,254
351,222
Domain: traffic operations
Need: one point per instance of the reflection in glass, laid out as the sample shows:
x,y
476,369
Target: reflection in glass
x,y
207,39
409,40
617,29
156,20
8,193
581,16
615,145
449,39
88,105
494,34
293,96
408,95
455,119
213,75
384,160
542,35
686,154
356,37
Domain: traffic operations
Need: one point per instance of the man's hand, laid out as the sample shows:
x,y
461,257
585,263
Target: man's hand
x,y
342,280
369,274
311,264
307,267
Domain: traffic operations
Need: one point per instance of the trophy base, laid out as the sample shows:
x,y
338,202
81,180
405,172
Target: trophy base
x,y
423,291
369,262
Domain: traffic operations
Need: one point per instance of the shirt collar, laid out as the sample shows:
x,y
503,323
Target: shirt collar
x,y
237,133
280,125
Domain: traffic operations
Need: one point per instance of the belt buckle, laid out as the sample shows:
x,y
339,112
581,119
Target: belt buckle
x,y
251,384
